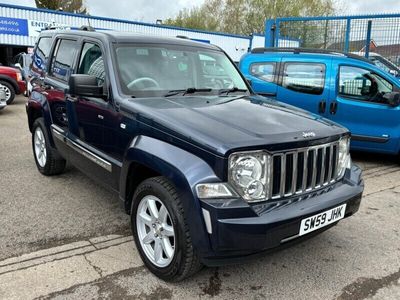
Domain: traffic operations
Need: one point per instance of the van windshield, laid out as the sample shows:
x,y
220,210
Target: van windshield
x,y
158,70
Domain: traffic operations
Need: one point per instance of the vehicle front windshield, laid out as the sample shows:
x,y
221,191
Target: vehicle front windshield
x,y
167,70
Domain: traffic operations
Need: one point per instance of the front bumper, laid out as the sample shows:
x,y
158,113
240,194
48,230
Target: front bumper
x,y
21,87
240,229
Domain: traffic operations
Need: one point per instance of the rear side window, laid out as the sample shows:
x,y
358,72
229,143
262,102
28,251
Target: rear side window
x,y
63,59
306,78
264,71
41,53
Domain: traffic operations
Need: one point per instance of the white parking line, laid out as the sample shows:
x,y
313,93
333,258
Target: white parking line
x,y
51,270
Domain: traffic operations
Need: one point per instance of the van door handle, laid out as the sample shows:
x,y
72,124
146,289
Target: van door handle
x,y
322,107
333,108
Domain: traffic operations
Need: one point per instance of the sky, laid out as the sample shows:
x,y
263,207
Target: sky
x,y
151,10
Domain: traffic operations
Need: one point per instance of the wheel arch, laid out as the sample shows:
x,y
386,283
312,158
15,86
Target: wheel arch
x,y
11,81
182,168
38,107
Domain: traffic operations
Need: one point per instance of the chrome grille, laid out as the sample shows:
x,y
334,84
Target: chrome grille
x,y
302,170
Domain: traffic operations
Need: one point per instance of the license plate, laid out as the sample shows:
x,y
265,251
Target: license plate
x,y
321,220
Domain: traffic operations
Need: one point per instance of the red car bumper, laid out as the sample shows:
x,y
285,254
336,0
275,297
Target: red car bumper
x,y
21,87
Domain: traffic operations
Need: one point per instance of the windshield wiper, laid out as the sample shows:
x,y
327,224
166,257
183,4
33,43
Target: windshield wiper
x,y
231,90
184,92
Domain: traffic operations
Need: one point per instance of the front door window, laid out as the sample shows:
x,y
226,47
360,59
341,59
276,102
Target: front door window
x,y
362,84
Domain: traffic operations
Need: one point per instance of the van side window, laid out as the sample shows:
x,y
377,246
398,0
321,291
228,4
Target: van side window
x,y
63,58
264,71
91,62
362,84
306,78
41,53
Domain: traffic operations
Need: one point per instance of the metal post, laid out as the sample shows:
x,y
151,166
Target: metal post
x,y
251,36
368,40
277,33
269,33
347,38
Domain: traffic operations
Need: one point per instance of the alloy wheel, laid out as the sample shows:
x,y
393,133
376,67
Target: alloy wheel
x,y
155,231
6,91
40,147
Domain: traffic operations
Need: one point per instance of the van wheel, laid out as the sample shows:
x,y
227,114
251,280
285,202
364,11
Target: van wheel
x,y
161,232
8,90
47,159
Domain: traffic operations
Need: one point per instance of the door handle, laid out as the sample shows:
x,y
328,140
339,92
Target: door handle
x,y
333,108
72,99
322,106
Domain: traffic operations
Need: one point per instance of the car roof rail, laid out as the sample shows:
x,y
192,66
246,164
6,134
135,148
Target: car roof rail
x,y
183,37
86,28
295,50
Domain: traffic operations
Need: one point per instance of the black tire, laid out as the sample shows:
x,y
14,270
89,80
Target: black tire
x,y
185,261
54,163
11,91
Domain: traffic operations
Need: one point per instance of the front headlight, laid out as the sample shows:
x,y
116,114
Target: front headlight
x,y
344,160
248,174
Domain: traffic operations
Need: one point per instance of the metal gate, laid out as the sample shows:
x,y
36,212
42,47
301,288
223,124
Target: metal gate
x,y
362,35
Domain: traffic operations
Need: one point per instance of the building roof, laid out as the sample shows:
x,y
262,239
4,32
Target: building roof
x,y
354,46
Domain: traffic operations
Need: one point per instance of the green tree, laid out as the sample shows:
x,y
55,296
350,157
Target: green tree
x,y
247,16
75,6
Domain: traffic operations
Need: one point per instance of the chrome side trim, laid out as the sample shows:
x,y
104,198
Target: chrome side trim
x,y
89,155
59,133
59,129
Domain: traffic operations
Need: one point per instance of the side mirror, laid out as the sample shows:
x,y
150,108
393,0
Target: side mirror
x,y
85,85
393,98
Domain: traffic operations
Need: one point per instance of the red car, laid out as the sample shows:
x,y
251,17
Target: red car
x,y
11,82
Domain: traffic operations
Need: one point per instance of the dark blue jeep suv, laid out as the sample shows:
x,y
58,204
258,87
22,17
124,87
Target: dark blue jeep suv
x,y
208,171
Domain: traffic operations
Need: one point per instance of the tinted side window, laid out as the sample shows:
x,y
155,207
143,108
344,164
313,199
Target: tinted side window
x,y
41,53
306,78
264,71
92,63
63,59
362,84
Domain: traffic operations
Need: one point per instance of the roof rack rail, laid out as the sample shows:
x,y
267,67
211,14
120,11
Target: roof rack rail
x,y
183,37
310,50
86,28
